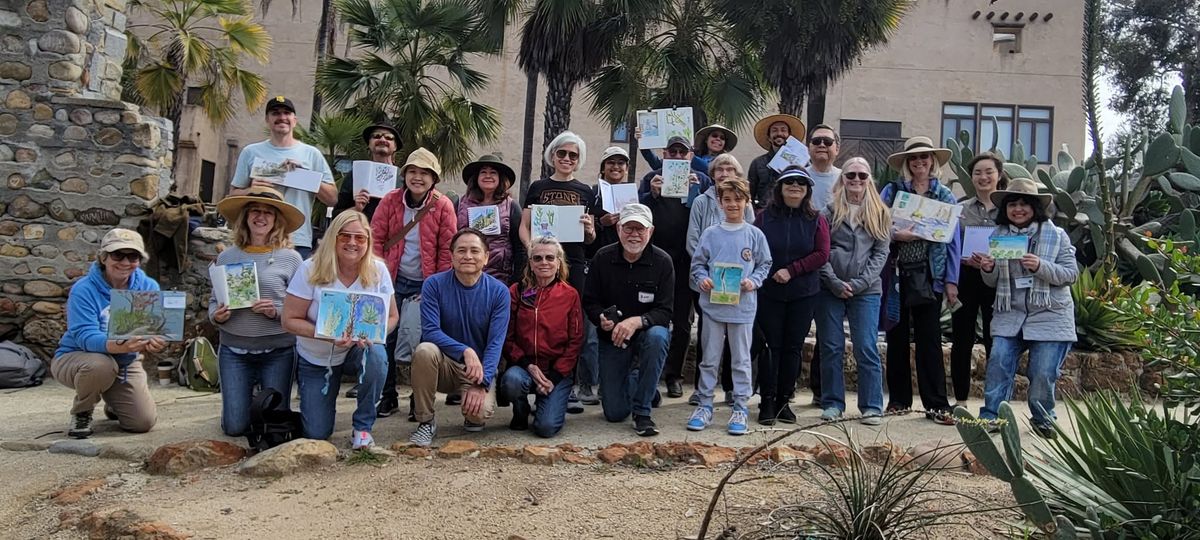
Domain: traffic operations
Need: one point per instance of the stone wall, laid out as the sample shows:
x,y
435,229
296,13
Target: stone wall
x,y
76,161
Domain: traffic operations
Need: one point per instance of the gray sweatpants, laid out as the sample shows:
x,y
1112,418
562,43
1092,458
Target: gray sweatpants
x,y
713,345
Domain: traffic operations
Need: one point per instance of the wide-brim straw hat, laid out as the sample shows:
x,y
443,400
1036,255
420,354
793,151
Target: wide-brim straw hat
x,y
702,138
918,145
231,207
1021,186
795,127
470,173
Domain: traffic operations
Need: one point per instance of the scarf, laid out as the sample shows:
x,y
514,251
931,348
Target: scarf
x,y
1045,244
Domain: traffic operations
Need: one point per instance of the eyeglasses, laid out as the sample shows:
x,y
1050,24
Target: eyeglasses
x,y
567,154
353,237
543,258
821,141
634,229
676,151
384,136
125,255
919,156
856,175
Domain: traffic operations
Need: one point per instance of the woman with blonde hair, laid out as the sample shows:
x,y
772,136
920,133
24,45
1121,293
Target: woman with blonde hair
x,y
859,234
255,349
545,335
343,261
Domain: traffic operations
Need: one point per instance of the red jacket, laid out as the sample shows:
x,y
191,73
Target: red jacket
x,y
437,228
547,332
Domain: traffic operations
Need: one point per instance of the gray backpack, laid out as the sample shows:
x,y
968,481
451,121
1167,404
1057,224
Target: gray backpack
x,y
19,367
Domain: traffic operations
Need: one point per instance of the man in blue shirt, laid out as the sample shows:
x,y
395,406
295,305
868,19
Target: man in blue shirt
x,y
464,320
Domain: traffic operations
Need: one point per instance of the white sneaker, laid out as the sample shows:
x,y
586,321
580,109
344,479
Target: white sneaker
x,y
423,436
361,440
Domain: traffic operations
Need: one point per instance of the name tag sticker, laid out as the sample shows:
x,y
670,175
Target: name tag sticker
x,y
1024,282
645,297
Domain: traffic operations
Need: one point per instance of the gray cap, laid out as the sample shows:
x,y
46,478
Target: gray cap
x,y
679,140
636,212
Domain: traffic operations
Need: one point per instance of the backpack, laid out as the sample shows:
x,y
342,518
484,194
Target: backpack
x,y
269,426
198,368
19,367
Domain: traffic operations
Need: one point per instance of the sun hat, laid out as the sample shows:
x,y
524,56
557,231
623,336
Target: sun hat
x,y
118,239
918,145
702,137
1022,186
795,129
424,159
636,212
470,173
232,207
366,134
613,151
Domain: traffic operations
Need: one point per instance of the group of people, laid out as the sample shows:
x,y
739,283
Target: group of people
x,y
507,317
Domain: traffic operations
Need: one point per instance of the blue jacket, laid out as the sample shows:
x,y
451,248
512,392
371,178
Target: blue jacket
x,y
944,259
87,314
456,318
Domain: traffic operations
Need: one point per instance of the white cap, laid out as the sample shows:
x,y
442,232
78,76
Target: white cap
x,y
613,151
636,212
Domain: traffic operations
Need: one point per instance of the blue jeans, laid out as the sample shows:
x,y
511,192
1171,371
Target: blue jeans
x,y
1045,361
241,373
863,314
517,384
587,371
318,387
623,394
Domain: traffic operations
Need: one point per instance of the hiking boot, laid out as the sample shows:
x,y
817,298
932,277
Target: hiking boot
x,y
352,392
453,399
573,404
767,412
785,414
472,427
871,419
737,421
587,396
674,388
700,419
1045,431
644,426
694,399
423,436
361,440
81,426
830,414
386,407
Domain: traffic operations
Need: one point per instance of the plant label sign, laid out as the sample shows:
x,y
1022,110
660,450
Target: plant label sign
x,y
377,178
558,222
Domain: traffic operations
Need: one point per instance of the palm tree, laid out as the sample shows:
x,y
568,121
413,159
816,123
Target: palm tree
x,y
197,43
805,44
414,67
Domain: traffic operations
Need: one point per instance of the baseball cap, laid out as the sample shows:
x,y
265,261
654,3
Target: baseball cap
x,y
118,239
636,212
678,140
614,151
280,102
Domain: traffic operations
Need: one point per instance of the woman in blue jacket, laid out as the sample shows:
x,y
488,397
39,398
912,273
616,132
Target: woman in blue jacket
x,y
96,367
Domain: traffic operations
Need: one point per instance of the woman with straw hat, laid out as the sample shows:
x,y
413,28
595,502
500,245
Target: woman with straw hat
x,y
927,270
712,141
255,349
1033,310
488,180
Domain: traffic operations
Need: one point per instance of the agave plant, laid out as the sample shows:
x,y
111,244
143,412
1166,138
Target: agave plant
x,y
1098,326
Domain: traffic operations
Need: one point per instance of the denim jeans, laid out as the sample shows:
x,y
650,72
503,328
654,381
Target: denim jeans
x,y
1045,361
241,373
517,384
318,388
305,252
863,313
587,370
622,394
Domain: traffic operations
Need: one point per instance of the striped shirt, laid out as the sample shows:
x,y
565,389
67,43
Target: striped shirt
x,y
246,329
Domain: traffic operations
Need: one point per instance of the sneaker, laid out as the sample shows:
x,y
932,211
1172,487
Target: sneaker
x,y
729,398
674,388
830,414
700,419
472,427
656,400
361,440
573,404
81,426
587,396
1045,431
352,392
871,419
386,407
737,421
423,436
694,399
940,417
453,399
898,410
644,426
785,415
520,422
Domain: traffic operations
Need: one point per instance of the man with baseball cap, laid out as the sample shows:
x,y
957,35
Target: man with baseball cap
x,y
382,141
629,296
283,152
677,148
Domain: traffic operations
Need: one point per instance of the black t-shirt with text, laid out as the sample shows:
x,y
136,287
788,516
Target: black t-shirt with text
x,y
557,193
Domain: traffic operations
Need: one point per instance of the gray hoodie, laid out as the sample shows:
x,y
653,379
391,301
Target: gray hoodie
x,y
855,257
706,212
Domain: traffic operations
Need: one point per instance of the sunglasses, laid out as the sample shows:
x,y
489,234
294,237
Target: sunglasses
x,y
353,237
793,180
125,255
543,258
919,156
857,175
821,141
384,136
567,154
676,151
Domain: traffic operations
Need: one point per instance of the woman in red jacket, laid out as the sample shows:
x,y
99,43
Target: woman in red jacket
x,y
545,334
412,228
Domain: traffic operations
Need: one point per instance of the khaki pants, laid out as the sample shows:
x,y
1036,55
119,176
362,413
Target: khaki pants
x,y
434,372
95,376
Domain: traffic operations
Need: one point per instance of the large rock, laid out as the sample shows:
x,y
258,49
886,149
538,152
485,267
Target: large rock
x,y
457,448
188,456
612,454
122,523
711,456
540,455
289,457
79,447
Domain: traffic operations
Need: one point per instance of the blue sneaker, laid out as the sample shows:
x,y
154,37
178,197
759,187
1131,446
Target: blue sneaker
x,y
737,421
700,419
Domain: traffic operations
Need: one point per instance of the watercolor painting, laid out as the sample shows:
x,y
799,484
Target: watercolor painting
x,y
146,313
352,315
727,284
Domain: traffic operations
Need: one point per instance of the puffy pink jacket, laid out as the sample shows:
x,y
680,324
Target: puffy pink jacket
x,y
437,228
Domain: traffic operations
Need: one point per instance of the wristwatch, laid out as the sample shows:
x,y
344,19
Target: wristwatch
x,y
645,322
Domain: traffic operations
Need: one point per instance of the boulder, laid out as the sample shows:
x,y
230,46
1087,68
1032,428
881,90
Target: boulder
x,y
187,456
289,457
937,455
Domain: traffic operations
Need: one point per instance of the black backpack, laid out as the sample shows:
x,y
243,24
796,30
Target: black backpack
x,y
269,426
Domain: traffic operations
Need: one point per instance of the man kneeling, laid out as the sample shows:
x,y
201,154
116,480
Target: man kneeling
x,y
464,318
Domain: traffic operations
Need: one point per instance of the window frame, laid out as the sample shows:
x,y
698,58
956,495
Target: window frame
x,y
1016,120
